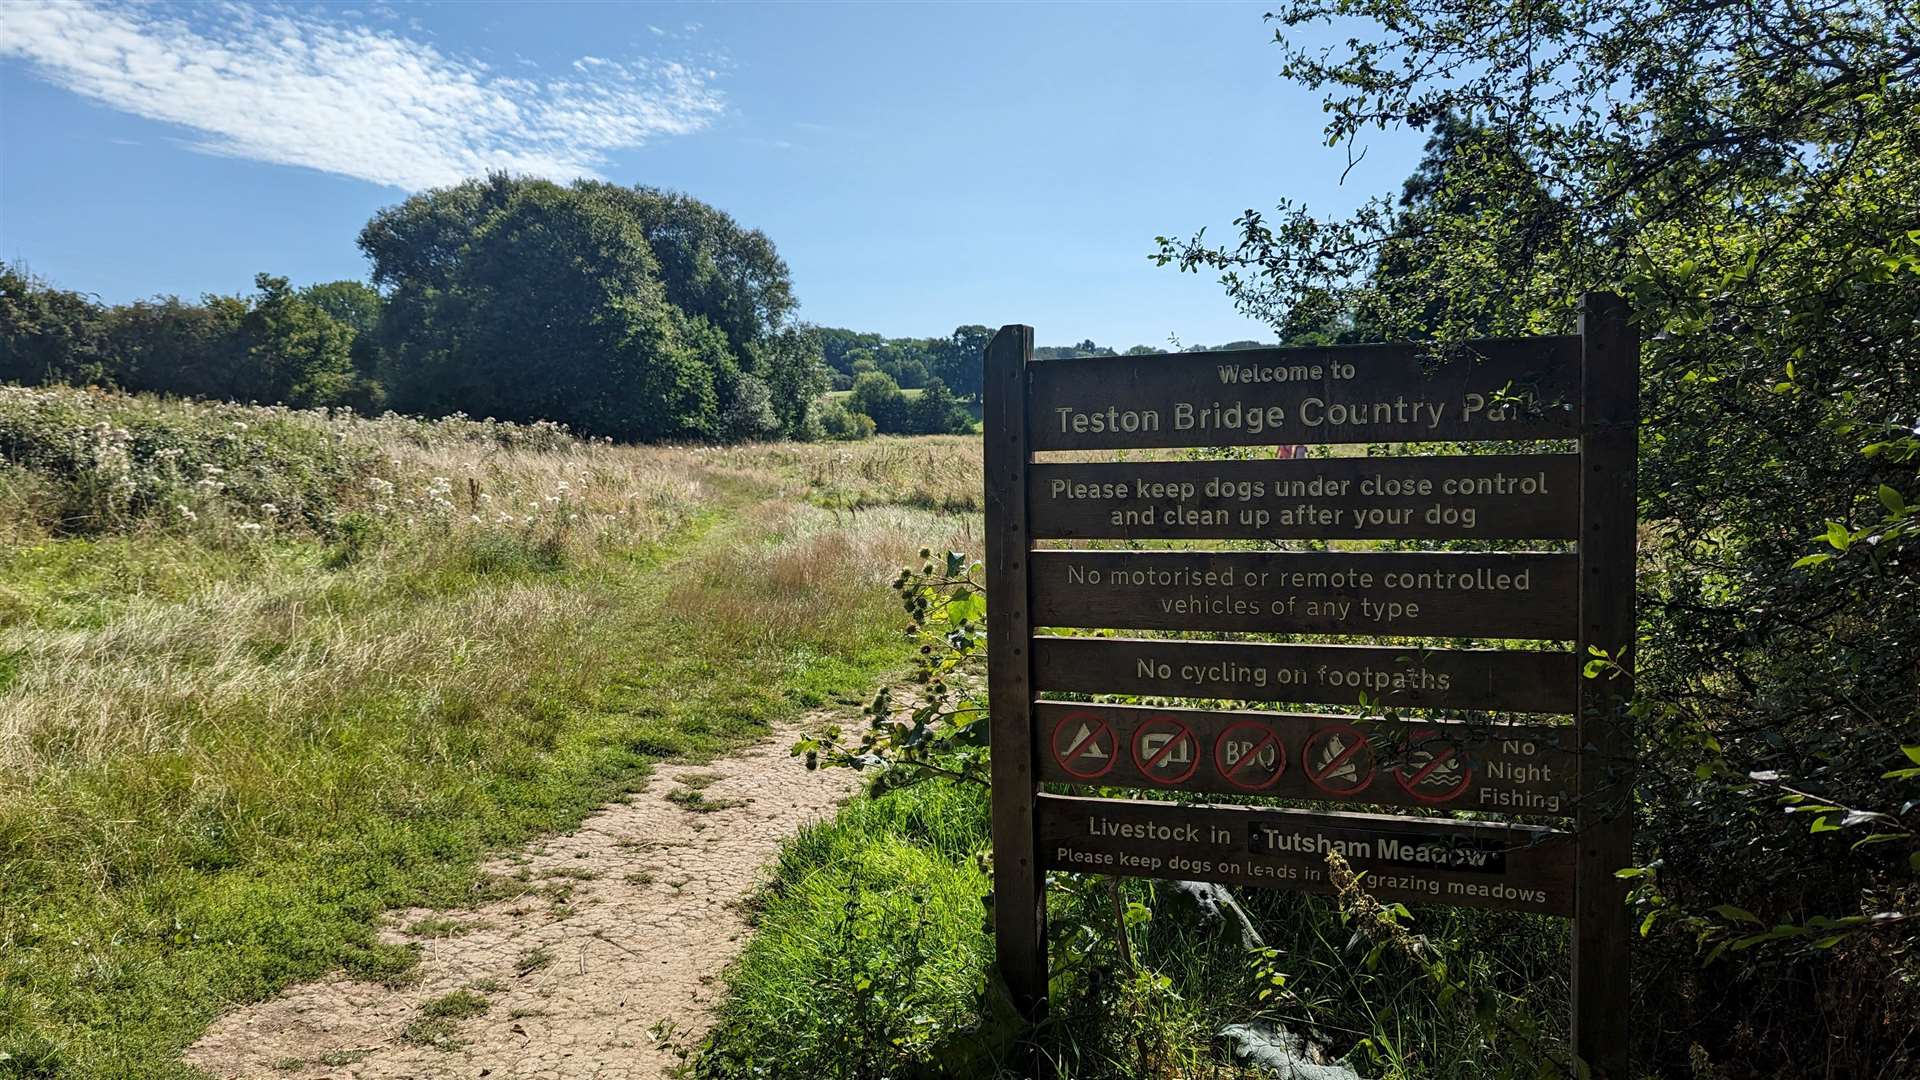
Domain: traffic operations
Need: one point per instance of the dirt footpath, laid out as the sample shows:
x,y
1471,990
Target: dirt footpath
x,y
603,962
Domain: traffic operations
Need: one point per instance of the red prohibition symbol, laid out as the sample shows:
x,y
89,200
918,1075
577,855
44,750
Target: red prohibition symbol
x,y
1250,756
1339,760
1434,771
1084,746
1165,750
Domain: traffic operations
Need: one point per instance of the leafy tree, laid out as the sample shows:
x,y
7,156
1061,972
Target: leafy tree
x,y
354,303
749,414
296,353
627,312
1749,177
839,346
172,346
841,424
960,360
710,266
789,363
1064,352
48,335
937,412
556,312
879,397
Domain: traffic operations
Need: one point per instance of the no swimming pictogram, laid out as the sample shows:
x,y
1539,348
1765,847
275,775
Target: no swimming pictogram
x,y
1433,769
1084,745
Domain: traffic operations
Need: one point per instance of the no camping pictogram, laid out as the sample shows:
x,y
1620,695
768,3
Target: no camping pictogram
x,y
1084,745
1250,756
1339,760
1165,750
1434,770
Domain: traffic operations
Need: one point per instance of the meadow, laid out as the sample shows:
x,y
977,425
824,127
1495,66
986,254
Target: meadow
x,y
266,673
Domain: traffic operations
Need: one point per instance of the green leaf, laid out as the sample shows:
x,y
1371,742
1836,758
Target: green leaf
x,y
1811,560
1891,499
1820,825
1631,872
1728,911
1912,752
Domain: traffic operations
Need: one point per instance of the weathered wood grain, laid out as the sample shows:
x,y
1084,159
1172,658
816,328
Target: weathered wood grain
x,y
1509,768
1415,860
1458,594
1442,497
1519,388
1537,682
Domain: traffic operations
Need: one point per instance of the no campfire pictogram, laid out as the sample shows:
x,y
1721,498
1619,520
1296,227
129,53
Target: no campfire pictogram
x,y
1339,760
1249,755
1084,745
1434,770
1165,750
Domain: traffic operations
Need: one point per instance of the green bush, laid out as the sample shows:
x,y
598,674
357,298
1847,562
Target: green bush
x,y
879,397
871,958
841,424
937,412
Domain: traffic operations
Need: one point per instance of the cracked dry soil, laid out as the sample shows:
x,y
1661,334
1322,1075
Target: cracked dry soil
x,y
604,963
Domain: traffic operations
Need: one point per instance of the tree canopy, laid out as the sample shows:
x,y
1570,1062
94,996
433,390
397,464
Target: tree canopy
x,y
1748,176
626,312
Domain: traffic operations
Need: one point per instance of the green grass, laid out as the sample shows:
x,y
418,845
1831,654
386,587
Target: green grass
x,y
909,392
869,951
149,888
872,958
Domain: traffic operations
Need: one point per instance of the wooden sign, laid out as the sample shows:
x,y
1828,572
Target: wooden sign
x,y
1449,497
1534,682
1456,594
1435,725
1440,764
1526,388
1417,860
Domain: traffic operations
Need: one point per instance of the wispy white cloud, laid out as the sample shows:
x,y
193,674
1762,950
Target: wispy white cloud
x,y
350,99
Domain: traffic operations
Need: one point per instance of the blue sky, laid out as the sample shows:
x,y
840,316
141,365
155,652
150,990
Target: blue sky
x,y
919,166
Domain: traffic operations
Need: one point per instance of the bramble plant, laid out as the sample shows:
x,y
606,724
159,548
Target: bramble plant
x,y
941,730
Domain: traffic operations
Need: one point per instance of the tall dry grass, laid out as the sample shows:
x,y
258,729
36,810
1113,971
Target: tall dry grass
x,y
264,672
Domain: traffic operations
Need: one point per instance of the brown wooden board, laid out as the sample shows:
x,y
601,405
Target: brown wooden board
x,y
1494,768
1541,682
1445,497
1019,898
1414,860
1522,388
1609,449
1464,594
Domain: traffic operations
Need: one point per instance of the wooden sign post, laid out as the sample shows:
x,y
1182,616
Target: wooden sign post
x,y
1480,729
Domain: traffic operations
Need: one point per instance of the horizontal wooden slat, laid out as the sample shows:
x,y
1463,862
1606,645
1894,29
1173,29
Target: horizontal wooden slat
x,y
1415,860
1491,768
1333,674
1498,389
1448,497
1518,595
